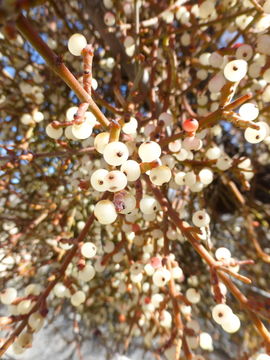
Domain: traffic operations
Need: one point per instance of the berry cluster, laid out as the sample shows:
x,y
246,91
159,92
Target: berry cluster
x,y
139,198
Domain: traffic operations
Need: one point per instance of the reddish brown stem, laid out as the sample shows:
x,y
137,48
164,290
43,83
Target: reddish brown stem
x,y
201,250
56,64
67,260
88,53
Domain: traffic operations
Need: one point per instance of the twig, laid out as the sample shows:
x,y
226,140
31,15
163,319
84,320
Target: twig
x,y
33,156
88,53
201,250
67,260
56,64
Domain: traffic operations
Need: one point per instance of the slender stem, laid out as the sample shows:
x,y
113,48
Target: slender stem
x,y
88,53
56,64
69,256
201,250
30,156
215,116
115,130
67,260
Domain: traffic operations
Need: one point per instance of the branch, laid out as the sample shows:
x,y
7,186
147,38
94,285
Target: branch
x,y
215,116
56,64
205,255
88,53
67,260
31,156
